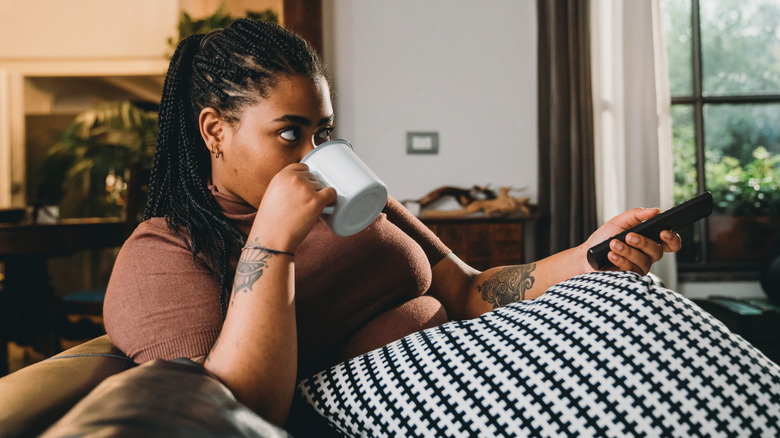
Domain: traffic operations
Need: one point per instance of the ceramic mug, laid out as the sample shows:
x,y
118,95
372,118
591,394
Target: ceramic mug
x,y
361,195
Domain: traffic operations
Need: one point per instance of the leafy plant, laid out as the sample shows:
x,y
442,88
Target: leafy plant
x,y
752,189
219,19
86,172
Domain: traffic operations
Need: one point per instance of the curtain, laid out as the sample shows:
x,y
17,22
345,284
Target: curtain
x,y
567,196
631,112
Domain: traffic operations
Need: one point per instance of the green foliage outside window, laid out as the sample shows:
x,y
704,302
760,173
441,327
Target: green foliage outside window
x,y
751,189
733,102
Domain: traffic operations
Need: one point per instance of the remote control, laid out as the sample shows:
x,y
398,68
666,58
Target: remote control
x,y
673,219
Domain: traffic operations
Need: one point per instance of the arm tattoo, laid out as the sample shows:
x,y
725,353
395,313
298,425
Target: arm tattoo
x,y
249,270
508,285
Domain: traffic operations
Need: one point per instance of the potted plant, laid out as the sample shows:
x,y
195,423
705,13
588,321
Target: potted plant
x,y
746,215
87,172
219,19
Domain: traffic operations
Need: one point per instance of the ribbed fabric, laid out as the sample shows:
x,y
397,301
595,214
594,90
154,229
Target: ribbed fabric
x,y
162,304
171,348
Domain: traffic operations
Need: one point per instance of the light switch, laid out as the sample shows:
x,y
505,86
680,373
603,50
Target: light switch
x,y
422,142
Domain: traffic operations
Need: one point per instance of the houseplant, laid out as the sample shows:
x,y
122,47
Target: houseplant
x,y
219,19
86,173
745,223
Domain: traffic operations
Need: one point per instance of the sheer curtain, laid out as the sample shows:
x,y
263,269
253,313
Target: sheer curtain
x,y
567,196
633,142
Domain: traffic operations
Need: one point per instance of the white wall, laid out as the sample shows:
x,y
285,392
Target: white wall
x,y
463,68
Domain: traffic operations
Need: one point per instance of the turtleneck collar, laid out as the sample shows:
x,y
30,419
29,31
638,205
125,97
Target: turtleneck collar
x,y
235,209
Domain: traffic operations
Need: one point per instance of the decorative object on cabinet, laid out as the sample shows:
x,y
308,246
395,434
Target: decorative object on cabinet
x,y
464,197
501,205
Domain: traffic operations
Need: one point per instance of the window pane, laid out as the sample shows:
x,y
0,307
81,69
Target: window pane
x,y
685,184
684,153
740,43
743,173
677,39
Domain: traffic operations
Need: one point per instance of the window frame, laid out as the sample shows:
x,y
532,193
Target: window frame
x,y
706,270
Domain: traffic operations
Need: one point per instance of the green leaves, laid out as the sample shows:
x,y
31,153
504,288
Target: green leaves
x,y
98,147
751,189
219,19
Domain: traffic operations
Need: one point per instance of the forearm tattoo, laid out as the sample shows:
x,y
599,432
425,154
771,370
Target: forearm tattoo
x,y
249,270
508,285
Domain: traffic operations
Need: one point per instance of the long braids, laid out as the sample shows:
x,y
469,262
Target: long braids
x,y
225,70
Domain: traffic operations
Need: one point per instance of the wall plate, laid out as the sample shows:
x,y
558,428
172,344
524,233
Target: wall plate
x,y
422,142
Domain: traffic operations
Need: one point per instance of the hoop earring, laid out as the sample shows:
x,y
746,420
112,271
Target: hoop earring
x,y
218,154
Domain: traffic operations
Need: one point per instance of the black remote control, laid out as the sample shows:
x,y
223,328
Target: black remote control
x,y
673,219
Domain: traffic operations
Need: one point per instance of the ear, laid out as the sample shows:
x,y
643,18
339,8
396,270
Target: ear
x,y
211,127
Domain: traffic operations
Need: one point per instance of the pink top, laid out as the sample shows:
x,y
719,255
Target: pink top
x,y
162,304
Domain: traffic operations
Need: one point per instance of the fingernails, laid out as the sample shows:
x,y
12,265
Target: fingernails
x,y
617,245
632,239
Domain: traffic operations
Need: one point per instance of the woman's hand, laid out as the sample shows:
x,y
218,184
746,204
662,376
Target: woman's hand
x,y
639,252
290,207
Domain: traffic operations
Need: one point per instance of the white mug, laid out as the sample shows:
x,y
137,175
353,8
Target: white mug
x,y
361,195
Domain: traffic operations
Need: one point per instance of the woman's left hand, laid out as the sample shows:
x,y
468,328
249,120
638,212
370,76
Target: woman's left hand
x,y
639,252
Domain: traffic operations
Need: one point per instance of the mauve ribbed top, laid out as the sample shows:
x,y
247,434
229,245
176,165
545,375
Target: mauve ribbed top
x,y
162,304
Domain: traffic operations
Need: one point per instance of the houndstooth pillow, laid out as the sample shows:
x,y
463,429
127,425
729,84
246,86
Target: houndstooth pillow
x,y
602,354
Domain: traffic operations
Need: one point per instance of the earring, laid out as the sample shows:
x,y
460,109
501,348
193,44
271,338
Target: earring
x,y
217,153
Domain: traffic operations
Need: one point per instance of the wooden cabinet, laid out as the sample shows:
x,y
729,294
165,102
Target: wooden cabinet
x,y
484,242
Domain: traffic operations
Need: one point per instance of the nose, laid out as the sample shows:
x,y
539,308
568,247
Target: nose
x,y
308,147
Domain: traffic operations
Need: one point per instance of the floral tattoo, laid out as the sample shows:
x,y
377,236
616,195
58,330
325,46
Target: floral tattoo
x,y
508,285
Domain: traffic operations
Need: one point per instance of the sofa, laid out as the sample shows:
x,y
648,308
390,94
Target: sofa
x,y
601,354
33,398
95,389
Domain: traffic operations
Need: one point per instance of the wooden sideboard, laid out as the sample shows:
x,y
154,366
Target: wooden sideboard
x,y
486,242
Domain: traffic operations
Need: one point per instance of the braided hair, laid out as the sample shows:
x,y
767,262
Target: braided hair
x,y
227,70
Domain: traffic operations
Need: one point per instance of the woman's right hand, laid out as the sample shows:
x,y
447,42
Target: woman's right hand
x,y
290,207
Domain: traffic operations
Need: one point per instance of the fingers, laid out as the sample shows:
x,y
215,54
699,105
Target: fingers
x,y
293,201
671,241
637,254
301,171
633,217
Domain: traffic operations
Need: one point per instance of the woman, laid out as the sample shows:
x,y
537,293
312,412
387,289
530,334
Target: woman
x,y
232,267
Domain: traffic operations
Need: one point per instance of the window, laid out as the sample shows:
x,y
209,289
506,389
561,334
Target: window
x,y
724,70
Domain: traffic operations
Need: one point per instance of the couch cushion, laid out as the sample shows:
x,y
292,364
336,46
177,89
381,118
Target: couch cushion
x,y
602,354
34,397
162,398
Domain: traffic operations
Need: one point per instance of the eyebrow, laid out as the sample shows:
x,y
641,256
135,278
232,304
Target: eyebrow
x,y
303,120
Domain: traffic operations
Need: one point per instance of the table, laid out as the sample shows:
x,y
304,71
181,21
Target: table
x,y
27,302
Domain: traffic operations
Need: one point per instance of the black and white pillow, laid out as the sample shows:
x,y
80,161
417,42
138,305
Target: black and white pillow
x,y
602,354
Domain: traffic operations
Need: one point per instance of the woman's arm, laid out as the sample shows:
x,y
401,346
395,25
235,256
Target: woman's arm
x,y
467,293
256,352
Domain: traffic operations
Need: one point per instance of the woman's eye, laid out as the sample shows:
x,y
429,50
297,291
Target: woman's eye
x,y
325,134
291,134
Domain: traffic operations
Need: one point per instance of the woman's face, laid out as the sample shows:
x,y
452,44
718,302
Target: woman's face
x,y
277,131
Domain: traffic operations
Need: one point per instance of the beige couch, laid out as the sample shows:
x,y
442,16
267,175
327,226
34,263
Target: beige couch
x,y
94,388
